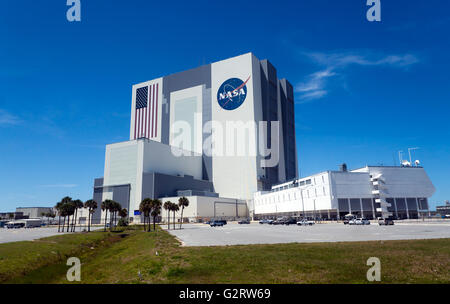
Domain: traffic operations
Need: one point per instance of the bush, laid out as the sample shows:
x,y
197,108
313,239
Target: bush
x,y
122,222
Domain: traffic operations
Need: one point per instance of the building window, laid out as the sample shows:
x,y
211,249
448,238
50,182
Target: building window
x,y
423,203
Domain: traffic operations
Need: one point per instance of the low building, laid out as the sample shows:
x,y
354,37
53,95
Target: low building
x,y
12,216
371,191
204,208
34,212
443,210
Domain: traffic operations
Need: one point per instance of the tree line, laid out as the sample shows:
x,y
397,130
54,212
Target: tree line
x,y
152,208
67,209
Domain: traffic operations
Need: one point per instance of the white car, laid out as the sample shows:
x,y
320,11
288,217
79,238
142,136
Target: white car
x,y
305,223
359,221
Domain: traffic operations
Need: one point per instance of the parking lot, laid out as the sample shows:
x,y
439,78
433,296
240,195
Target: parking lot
x,y
254,233
28,234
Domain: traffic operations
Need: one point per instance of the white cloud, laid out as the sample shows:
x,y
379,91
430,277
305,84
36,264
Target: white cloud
x,y
8,119
334,63
59,186
313,88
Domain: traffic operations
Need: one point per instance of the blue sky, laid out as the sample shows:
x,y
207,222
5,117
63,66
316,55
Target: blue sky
x,y
364,90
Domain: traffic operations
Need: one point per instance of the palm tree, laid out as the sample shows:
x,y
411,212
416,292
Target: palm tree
x,y
77,204
70,212
60,206
182,202
58,209
65,212
145,208
123,213
49,215
156,210
167,207
115,208
91,205
105,207
175,209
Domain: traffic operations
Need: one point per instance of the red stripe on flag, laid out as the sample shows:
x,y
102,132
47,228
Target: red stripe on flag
x,y
153,108
156,116
145,120
135,119
149,108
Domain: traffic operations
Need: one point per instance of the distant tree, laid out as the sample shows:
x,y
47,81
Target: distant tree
x,y
91,205
105,207
62,208
175,209
77,205
145,208
167,208
118,209
182,202
49,215
156,210
123,213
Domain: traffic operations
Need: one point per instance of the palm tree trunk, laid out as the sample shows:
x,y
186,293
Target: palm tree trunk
x,y
75,220
110,220
89,220
106,217
168,219
59,221
68,223
181,221
154,224
64,223
174,221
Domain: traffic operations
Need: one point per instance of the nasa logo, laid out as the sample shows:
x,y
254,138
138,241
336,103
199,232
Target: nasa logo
x,y
232,93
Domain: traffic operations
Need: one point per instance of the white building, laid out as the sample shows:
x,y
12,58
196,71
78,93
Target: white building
x,y
370,192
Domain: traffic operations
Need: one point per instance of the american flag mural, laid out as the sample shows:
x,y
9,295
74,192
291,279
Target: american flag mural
x,y
146,112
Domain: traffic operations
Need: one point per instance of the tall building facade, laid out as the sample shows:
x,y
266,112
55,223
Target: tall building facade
x,y
227,128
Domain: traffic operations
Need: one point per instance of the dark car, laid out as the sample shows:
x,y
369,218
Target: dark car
x,y
385,221
224,222
244,222
265,221
290,221
216,224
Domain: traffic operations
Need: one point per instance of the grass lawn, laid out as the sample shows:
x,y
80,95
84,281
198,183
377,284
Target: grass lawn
x,y
134,256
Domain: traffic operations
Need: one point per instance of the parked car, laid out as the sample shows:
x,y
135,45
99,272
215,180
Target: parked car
x,y
244,222
290,221
359,221
365,221
385,221
279,221
305,223
216,224
348,218
265,221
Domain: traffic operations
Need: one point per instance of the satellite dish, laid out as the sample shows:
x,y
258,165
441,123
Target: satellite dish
x,y
406,163
417,162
